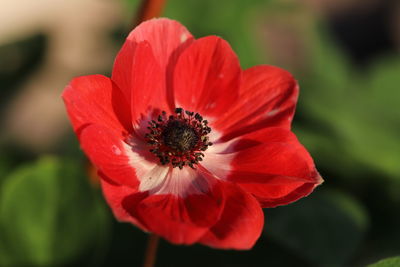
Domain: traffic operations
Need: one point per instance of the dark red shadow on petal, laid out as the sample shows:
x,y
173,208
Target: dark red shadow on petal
x,y
115,195
105,149
267,135
95,99
149,93
272,165
171,69
180,220
242,128
121,108
300,192
122,69
79,130
267,98
241,221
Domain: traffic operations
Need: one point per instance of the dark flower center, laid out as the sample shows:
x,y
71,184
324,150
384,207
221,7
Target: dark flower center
x,y
179,136
180,139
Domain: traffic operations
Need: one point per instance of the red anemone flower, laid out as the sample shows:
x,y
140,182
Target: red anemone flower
x,y
189,146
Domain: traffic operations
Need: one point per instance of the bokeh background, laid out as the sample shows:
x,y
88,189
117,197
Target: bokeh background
x,y
345,55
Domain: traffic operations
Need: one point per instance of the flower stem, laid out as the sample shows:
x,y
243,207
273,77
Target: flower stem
x,y
151,251
149,9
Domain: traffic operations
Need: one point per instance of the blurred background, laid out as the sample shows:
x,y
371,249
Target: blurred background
x,y
345,55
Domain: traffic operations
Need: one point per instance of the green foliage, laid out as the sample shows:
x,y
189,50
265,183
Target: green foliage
x,y
360,111
49,214
389,262
228,19
326,228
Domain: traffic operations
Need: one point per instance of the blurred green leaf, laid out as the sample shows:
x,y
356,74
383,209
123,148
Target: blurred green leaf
x,y
363,119
375,140
49,214
358,110
389,262
232,20
325,229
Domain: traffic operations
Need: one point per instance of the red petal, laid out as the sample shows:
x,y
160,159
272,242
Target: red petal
x,y
180,219
164,35
241,221
278,171
273,151
122,70
148,82
115,194
268,97
95,99
271,196
269,163
107,151
207,77
167,39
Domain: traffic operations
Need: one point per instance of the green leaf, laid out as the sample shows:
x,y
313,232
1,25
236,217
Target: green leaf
x,y
325,228
49,214
357,110
389,262
375,140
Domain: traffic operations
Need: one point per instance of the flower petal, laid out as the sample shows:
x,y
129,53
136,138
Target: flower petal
x,y
207,77
122,70
269,163
96,99
274,195
275,173
268,97
164,35
272,151
241,221
115,194
183,218
107,151
148,94
167,39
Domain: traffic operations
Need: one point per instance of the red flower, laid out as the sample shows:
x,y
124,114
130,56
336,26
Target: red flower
x,y
188,145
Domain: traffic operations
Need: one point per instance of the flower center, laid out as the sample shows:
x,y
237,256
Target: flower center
x,y
179,136
180,139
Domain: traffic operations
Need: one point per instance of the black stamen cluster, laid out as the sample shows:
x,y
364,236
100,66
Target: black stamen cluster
x,y
179,136
180,139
